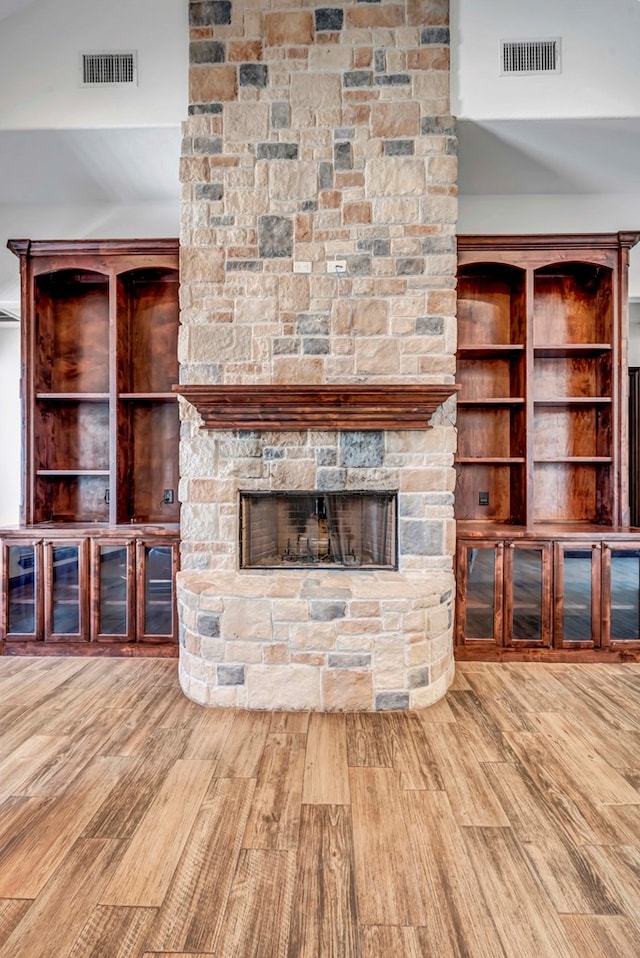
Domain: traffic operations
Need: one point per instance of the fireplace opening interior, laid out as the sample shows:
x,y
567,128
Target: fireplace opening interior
x,y
311,529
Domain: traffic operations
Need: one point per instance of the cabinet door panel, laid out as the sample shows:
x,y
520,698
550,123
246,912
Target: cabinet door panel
x,y
21,610
528,569
577,595
157,563
480,593
621,595
112,591
66,591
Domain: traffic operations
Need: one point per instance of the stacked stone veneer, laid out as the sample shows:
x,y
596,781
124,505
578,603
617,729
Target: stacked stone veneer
x,y
315,134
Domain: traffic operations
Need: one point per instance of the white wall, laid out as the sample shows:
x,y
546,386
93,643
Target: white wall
x,y
39,63
576,213
10,425
599,43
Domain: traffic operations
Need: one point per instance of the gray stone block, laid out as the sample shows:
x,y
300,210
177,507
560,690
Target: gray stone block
x,y
329,18
280,115
209,12
421,537
430,325
253,74
364,449
206,51
230,674
209,624
326,610
275,237
385,701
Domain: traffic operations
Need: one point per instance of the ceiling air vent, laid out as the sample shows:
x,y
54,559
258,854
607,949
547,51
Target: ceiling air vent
x,y
99,69
520,57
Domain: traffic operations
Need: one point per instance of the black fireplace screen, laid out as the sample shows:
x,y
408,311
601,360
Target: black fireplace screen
x,y
303,529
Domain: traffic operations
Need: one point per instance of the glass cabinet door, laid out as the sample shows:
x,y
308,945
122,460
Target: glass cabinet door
x,y
578,618
621,594
527,614
480,593
21,590
156,570
112,583
66,591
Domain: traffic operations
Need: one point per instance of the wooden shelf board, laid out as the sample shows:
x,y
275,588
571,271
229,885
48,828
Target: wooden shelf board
x,y
562,350
595,460
493,401
146,397
72,472
482,350
320,407
574,401
490,460
72,397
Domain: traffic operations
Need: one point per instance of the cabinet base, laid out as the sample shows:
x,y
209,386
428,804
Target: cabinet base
x,y
565,656
163,650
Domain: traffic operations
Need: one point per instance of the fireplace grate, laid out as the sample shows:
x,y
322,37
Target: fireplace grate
x,y
334,530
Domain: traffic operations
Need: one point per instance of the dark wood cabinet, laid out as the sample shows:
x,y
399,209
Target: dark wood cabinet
x,y
100,443
542,438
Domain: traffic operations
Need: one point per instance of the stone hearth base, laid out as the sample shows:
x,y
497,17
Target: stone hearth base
x,y
316,640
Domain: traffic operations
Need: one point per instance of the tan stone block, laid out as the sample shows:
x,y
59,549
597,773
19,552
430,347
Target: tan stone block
x,y
244,51
291,611
293,179
197,262
354,213
362,57
396,176
297,370
395,119
194,169
374,15
346,690
315,90
276,654
432,13
429,58
333,57
288,28
246,121
295,474
365,609
223,696
370,316
358,114
209,84
284,687
316,659
397,209
442,169
243,653
241,620
376,356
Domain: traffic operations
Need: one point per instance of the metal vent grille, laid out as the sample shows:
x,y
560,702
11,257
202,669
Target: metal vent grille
x,y
530,56
102,68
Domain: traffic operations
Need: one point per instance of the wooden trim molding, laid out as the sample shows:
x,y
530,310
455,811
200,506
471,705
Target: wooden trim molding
x,y
326,407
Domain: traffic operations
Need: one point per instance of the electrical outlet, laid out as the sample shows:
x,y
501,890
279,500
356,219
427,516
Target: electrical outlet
x,y
483,498
336,266
167,497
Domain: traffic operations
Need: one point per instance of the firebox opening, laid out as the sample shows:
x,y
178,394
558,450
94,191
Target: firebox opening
x,y
337,530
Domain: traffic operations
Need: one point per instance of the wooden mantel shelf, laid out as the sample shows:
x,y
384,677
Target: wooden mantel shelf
x,y
329,407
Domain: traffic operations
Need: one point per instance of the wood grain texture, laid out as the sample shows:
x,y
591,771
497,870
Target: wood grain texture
x,y
152,855
483,828
324,917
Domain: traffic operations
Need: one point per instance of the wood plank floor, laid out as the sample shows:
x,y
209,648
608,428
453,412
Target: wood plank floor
x,y
504,822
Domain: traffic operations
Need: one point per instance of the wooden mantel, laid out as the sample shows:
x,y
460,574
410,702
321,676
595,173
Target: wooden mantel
x,y
329,407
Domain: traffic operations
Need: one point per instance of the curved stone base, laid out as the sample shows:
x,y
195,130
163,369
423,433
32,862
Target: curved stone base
x,y
316,640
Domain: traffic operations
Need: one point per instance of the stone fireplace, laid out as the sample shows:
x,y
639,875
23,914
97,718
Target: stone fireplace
x,y
317,354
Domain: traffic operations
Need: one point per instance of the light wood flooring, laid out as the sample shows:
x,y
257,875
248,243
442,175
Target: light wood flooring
x,y
504,822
